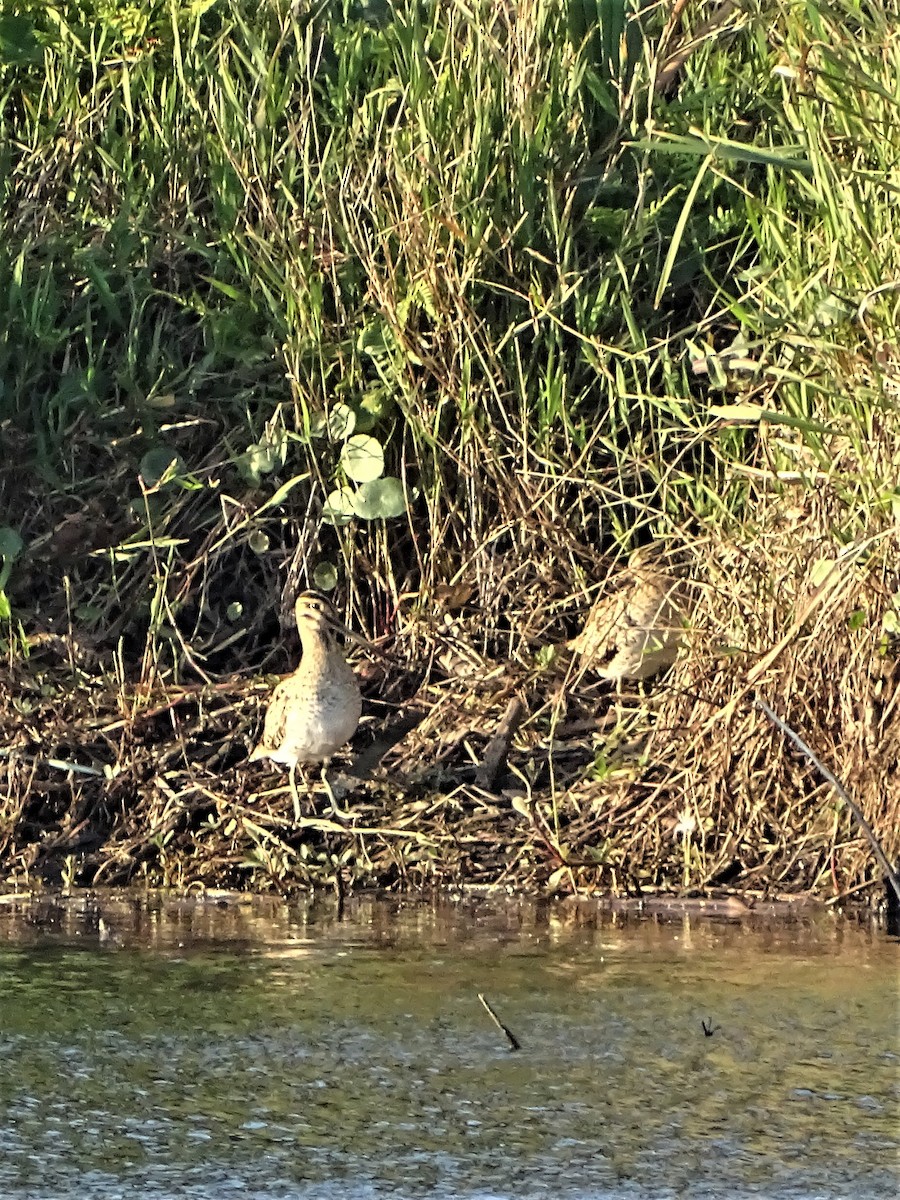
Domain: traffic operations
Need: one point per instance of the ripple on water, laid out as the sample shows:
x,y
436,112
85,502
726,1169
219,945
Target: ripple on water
x,y
279,1051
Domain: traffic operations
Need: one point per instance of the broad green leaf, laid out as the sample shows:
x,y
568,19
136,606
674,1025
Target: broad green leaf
x,y
377,403
338,507
17,41
199,7
363,458
263,458
325,576
90,614
380,499
376,340
160,465
831,309
341,422
10,542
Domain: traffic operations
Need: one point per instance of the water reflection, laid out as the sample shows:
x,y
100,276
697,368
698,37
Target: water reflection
x,y
200,1047
270,925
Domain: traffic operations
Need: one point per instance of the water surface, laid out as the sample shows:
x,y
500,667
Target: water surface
x,y
204,1048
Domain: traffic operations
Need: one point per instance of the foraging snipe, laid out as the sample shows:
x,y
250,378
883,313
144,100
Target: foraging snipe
x,y
636,627
315,710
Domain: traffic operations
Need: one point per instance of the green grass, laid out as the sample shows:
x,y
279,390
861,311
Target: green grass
x,y
500,249
233,233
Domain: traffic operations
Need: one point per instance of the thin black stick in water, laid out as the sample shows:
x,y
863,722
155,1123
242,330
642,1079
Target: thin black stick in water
x,y
864,825
510,1036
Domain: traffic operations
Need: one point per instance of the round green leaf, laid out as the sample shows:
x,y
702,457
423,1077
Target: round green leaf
x,y
363,458
338,507
258,541
325,576
263,458
234,611
318,427
149,507
159,462
341,422
89,613
380,498
10,543
376,405
17,41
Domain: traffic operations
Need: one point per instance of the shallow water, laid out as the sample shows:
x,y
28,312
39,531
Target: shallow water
x,y
207,1048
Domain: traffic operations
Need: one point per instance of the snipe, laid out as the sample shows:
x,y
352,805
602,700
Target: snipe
x,y
637,626
315,710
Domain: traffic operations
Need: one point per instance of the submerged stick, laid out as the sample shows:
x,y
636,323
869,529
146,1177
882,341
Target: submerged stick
x,y
864,825
510,1036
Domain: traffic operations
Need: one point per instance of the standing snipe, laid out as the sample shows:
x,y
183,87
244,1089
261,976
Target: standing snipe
x,y
315,710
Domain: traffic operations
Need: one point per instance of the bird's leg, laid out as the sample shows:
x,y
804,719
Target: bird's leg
x,y
340,814
295,795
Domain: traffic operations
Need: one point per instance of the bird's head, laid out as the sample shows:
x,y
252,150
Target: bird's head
x,y
317,619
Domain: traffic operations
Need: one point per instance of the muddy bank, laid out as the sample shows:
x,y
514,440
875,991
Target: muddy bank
x,y
103,785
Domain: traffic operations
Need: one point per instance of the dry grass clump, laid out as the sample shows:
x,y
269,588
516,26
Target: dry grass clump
x,y
715,794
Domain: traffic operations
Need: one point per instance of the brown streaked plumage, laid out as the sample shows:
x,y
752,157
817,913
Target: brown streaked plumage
x,y
316,709
636,628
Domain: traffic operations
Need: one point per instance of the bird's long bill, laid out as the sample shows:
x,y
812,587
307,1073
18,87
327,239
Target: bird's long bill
x,y
346,632
324,614
334,623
